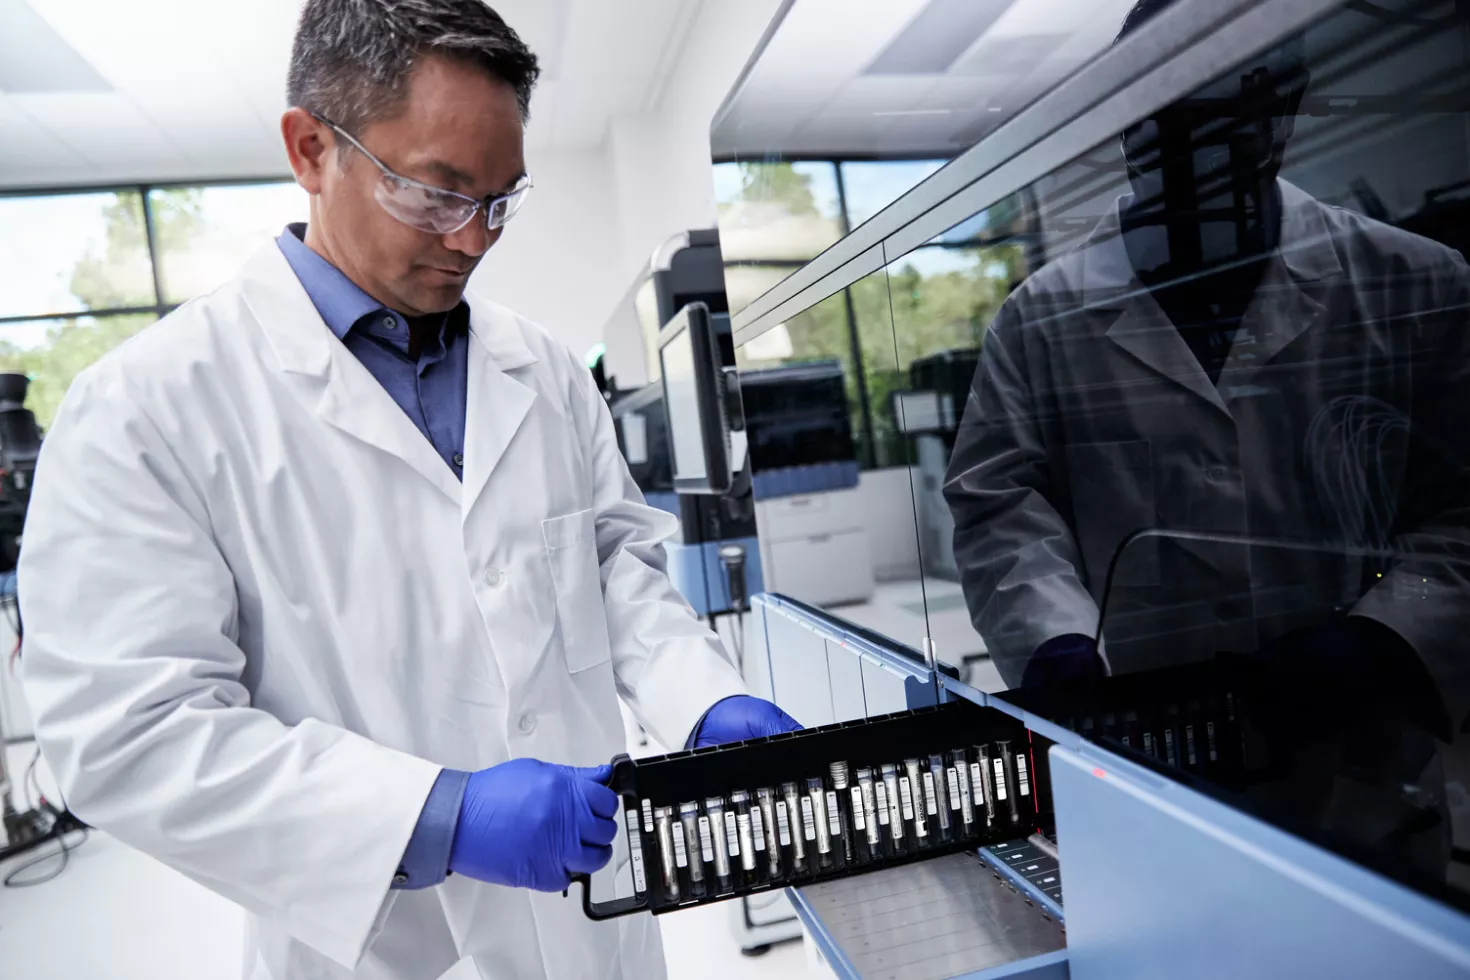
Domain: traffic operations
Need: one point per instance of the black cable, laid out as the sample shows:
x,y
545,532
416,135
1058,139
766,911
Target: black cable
x,y
32,780
64,853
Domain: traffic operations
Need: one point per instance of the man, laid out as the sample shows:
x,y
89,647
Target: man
x,y
319,566
1283,382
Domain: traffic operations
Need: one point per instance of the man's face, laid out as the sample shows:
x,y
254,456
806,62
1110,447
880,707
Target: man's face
x,y
459,130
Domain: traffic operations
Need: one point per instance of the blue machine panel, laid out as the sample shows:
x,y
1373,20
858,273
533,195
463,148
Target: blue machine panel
x,y
1163,882
698,574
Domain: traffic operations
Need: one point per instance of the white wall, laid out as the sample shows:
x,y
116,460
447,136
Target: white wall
x,y
595,217
555,263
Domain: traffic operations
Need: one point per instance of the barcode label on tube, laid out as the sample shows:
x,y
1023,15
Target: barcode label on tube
x,y
808,822
635,848
1000,778
882,789
681,852
758,828
906,797
859,818
931,802
1023,777
1210,734
783,824
647,817
706,842
1169,750
1189,743
834,815
732,835
954,788
978,782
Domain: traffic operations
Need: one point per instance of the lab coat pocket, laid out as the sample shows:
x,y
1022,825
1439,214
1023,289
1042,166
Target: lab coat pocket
x,y
571,548
1113,496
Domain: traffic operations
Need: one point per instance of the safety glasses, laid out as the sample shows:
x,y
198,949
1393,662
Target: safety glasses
x,y
433,209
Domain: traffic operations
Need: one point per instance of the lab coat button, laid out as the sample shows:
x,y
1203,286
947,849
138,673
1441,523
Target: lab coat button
x,y
527,724
494,578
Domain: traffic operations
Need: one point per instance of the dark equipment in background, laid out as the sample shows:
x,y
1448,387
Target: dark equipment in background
x,y
20,445
41,823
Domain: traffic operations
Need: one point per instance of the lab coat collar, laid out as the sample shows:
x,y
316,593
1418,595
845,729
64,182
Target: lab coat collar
x,y
326,376
1284,307
497,401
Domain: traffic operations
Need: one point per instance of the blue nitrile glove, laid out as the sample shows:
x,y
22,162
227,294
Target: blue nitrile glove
x,y
739,717
530,824
1068,659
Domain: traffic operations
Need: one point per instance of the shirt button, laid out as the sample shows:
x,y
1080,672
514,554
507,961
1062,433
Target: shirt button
x,y
459,459
400,879
527,723
494,578
390,323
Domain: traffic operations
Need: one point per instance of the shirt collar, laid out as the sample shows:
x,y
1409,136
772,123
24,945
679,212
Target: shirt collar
x,y
339,300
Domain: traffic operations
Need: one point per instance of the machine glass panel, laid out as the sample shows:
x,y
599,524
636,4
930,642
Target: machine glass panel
x,y
810,147
1210,388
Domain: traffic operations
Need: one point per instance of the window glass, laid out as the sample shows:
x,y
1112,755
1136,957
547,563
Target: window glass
x,y
775,211
53,352
869,186
62,253
205,234
1217,408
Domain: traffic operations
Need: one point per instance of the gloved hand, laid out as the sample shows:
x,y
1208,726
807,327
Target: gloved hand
x,y
740,717
529,824
1068,659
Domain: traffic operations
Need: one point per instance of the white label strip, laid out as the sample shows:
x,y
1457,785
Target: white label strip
x,y
783,824
706,842
931,800
808,822
1023,777
647,816
1000,778
953,778
758,828
834,816
681,852
978,782
732,835
1189,743
906,796
635,847
859,817
882,789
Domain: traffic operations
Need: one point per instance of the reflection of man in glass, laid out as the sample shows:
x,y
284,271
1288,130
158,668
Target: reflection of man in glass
x,y
1225,354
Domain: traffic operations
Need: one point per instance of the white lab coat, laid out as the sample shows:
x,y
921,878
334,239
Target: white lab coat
x,y
261,613
1090,418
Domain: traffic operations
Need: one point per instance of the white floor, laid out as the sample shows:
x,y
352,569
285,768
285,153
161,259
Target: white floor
x,y
116,914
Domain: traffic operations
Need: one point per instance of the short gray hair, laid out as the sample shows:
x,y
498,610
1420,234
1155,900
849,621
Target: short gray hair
x,y
352,59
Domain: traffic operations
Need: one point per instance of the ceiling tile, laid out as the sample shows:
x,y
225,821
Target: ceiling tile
x,y
29,154
106,129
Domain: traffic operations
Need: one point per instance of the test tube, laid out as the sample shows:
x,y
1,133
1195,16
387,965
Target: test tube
x,y
794,801
869,824
816,796
663,819
914,803
891,786
635,850
1192,754
987,782
1171,736
938,788
744,835
1006,782
844,804
765,811
694,831
1006,772
714,809
959,792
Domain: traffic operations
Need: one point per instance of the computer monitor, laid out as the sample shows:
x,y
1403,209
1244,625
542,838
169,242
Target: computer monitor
x,y
693,383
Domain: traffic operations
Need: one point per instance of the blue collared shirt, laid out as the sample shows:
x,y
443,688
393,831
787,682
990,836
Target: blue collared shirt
x,y
432,390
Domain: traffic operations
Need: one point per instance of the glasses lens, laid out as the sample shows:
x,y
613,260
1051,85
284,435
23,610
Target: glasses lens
x,y
429,210
502,209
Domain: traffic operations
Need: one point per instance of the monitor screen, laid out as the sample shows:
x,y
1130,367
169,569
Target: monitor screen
x,y
681,394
